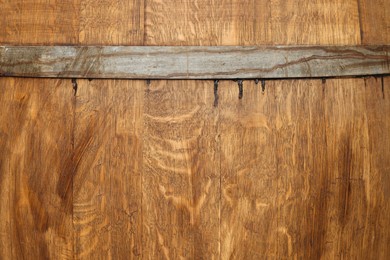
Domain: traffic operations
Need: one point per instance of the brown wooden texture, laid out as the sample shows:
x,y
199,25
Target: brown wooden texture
x,y
155,170
36,125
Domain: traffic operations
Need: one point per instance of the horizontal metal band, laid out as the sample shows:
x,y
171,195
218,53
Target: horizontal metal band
x,y
190,62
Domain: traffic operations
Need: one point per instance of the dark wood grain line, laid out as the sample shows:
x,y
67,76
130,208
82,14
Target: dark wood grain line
x,y
169,62
361,29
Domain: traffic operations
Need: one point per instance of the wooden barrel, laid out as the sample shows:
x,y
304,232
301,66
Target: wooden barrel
x,y
161,169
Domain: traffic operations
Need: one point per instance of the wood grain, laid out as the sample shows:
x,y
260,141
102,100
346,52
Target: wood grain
x,y
35,131
194,62
181,185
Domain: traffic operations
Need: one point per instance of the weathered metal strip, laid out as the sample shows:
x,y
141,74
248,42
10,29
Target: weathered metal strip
x,y
147,62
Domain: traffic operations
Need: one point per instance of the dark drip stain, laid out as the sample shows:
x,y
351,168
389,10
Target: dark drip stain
x,y
240,88
323,80
148,82
74,86
360,21
256,81
263,86
383,87
216,97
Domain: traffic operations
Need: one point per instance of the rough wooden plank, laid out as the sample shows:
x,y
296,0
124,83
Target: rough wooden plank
x,y
248,171
36,125
330,178
181,166
194,62
300,169
309,225
306,199
108,141
107,169
273,161
350,211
